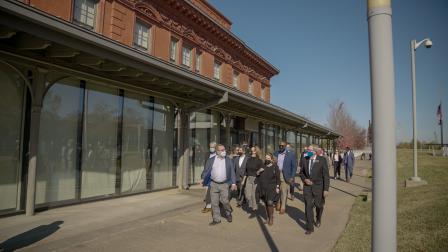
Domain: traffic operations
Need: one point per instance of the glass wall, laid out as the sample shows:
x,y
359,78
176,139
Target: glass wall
x,y
291,139
200,125
11,107
216,118
136,145
57,154
99,148
270,139
162,144
204,129
97,141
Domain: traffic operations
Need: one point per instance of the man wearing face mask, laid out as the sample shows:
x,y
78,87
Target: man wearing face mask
x,y
208,203
219,170
316,180
287,164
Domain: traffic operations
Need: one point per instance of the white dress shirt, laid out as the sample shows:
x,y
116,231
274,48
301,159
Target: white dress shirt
x,y
219,173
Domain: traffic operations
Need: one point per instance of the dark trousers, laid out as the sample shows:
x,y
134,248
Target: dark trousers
x,y
208,199
348,173
313,198
235,194
337,168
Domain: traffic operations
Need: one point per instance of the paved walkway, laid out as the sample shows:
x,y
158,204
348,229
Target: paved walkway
x,y
172,221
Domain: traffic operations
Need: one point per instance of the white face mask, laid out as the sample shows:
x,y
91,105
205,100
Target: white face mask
x,y
212,150
223,154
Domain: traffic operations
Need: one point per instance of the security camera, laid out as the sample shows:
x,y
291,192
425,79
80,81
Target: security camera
x,y
428,43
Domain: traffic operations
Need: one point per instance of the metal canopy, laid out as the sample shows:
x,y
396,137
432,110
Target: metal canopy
x,y
30,36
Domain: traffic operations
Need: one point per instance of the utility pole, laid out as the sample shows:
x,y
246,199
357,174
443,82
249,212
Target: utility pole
x,y
384,216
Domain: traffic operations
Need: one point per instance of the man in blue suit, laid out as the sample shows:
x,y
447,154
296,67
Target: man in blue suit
x,y
349,163
287,163
219,173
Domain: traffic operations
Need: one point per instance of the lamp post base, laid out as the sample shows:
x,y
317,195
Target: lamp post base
x,y
414,181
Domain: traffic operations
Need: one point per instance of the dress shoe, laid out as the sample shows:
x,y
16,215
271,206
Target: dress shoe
x,y
214,223
206,210
308,232
229,218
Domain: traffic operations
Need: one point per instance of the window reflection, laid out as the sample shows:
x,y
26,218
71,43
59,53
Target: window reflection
x,y
99,141
137,126
56,162
10,134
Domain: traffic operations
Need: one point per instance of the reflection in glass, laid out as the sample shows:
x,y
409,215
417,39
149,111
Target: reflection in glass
x,y
56,162
162,153
99,141
10,133
270,139
137,125
200,123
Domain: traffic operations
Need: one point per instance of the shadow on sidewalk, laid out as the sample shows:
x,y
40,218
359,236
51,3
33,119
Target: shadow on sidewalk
x,y
29,237
297,215
351,194
267,235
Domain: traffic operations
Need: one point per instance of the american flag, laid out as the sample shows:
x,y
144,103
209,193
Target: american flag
x,y
439,113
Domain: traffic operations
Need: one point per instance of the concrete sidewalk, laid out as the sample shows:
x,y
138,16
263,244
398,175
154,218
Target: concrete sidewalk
x,y
172,221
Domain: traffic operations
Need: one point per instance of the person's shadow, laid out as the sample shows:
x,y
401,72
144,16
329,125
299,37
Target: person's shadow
x,y
297,215
29,237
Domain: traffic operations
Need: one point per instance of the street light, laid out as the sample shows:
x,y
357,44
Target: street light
x,y
414,45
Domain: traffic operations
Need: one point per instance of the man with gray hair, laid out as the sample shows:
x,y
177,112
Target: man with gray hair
x,y
219,173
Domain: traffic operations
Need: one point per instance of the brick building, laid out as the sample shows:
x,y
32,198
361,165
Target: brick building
x,y
115,97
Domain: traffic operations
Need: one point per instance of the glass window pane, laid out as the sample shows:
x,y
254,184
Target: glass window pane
x,y
137,125
200,123
56,162
99,141
10,134
162,152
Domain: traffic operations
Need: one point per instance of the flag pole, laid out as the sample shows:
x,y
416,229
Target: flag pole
x,y
441,126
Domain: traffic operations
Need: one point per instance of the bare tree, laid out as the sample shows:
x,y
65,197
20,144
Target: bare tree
x,y
341,121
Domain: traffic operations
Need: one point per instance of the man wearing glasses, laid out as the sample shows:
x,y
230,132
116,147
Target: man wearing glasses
x,y
287,164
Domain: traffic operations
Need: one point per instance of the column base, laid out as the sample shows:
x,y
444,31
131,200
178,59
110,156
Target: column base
x,y
414,182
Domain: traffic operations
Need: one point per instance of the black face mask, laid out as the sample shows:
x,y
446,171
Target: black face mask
x,y
267,162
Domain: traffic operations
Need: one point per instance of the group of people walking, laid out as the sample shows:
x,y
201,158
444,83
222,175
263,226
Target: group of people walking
x,y
250,178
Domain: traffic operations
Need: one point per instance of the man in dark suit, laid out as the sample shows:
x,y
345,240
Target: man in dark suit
x,y
316,181
219,173
287,164
349,163
240,173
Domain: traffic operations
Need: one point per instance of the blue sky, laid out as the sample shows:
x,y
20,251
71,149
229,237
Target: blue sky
x,y
321,49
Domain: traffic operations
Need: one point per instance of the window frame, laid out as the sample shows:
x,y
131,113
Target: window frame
x,y
198,61
190,48
149,38
219,64
251,87
95,17
173,57
236,75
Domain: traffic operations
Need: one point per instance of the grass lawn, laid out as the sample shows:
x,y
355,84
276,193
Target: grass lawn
x,y
422,211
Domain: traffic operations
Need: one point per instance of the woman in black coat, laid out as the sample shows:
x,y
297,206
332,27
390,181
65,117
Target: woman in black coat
x,y
269,186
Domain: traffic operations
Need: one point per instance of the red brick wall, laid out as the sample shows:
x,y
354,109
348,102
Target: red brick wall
x,y
59,8
116,20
